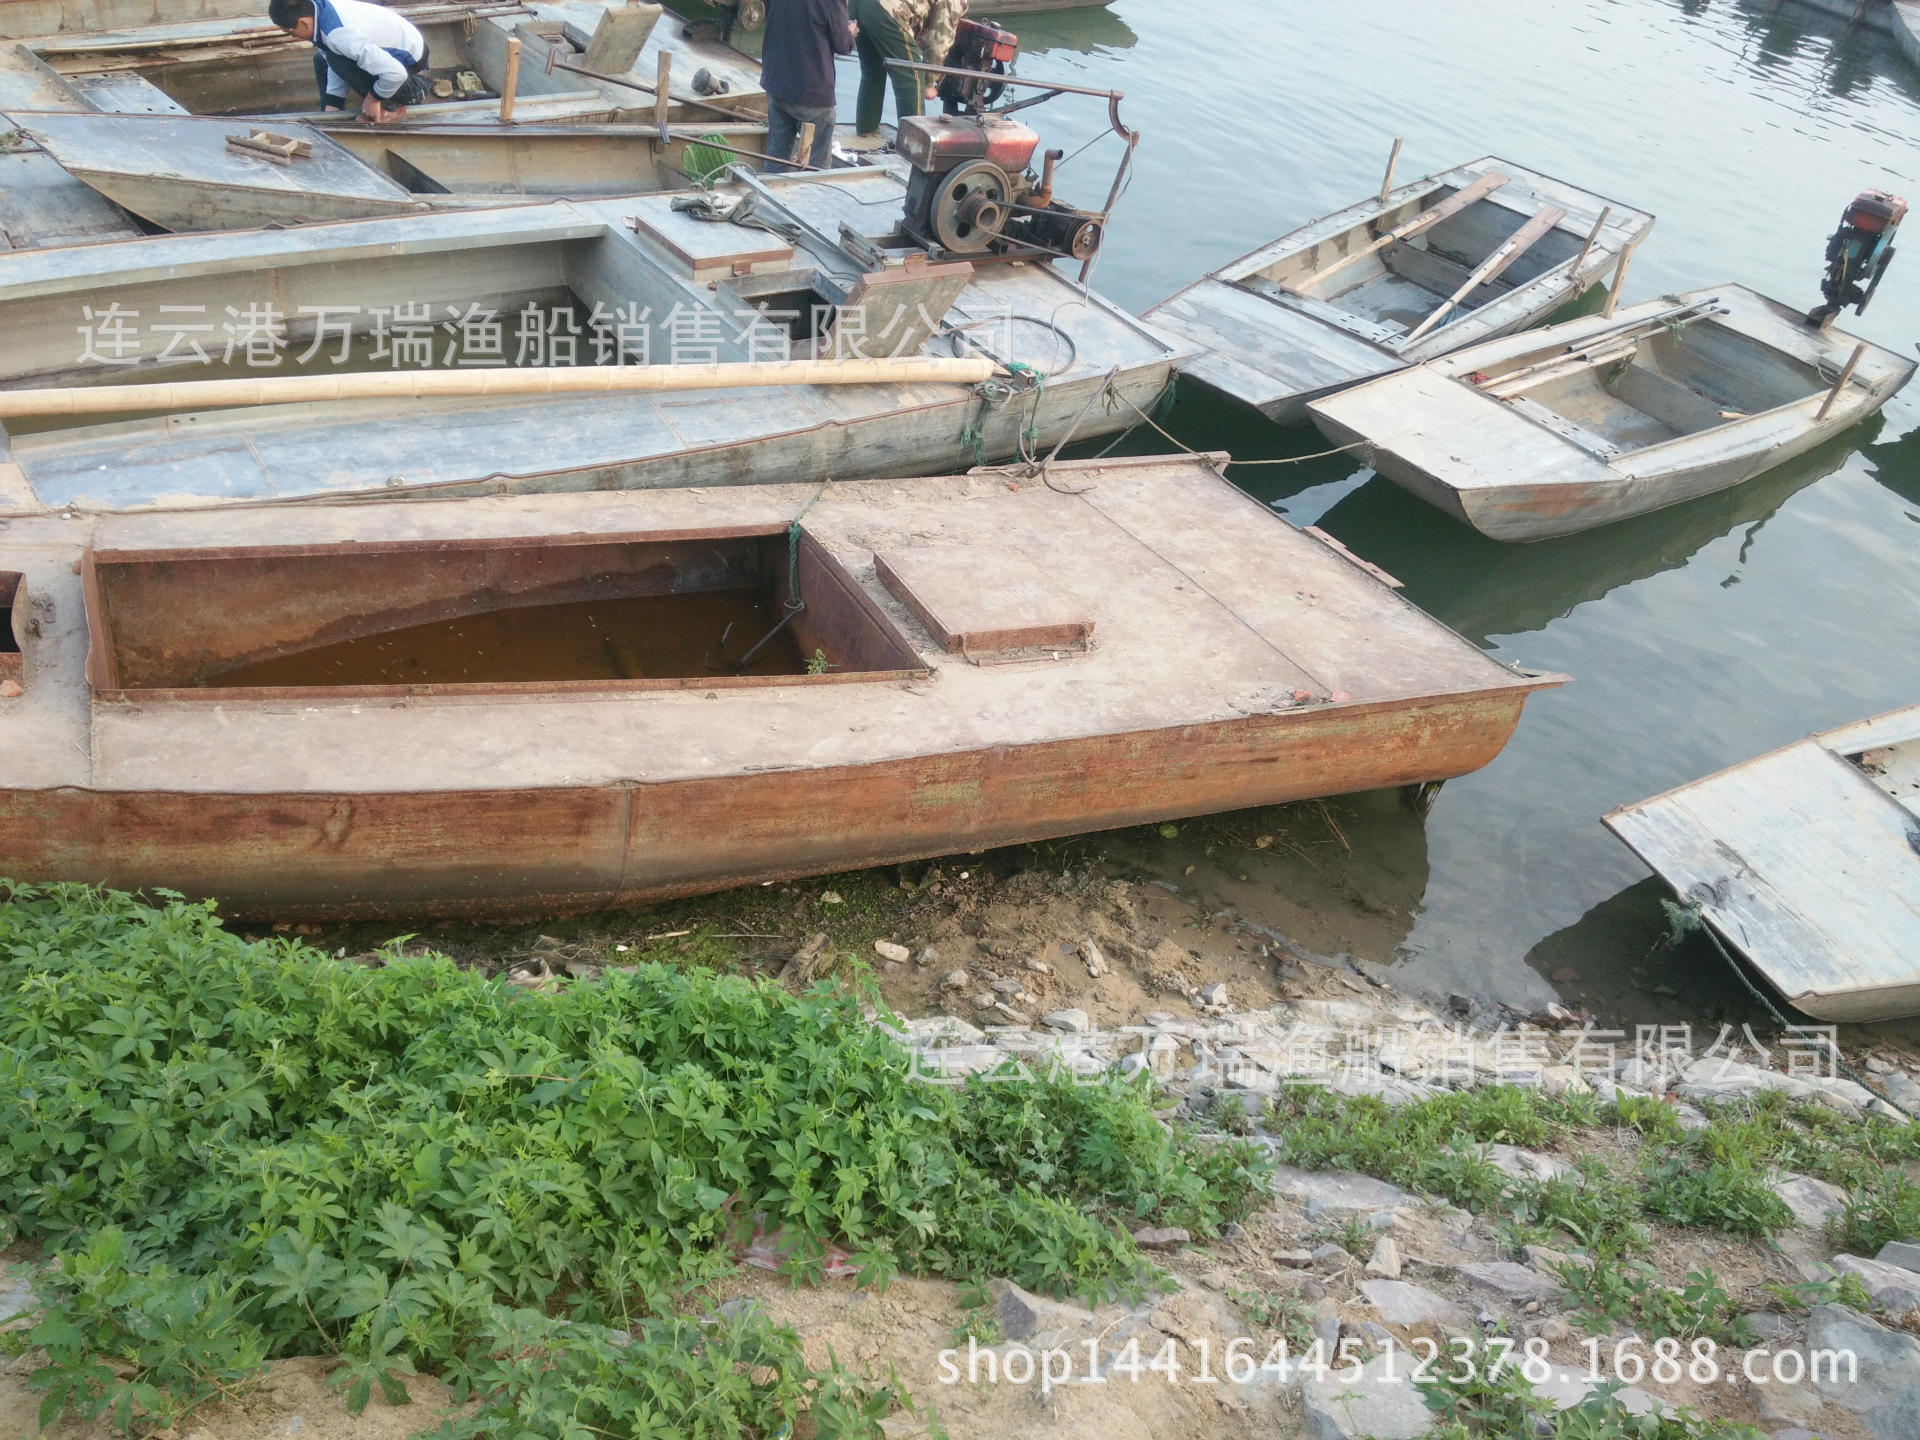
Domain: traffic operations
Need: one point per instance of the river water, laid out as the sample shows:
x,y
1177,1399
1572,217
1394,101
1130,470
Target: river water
x,y
1696,637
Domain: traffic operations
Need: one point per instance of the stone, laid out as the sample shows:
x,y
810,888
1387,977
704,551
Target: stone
x,y
1293,1259
1510,1281
16,1295
1321,1191
985,1000
1233,1232
1025,1316
1326,1324
954,980
1383,1220
1379,1403
1898,1252
1813,1202
1768,1325
1568,1388
1546,1260
1400,1303
1555,1329
930,955
1332,1257
1885,1390
1012,1016
1071,1020
1096,962
887,950
1385,1260
1006,987
1170,1237
741,1305
1712,1078
1893,1287
934,1029
831,897
1787,1404
1528,1164
1039,967
1214,994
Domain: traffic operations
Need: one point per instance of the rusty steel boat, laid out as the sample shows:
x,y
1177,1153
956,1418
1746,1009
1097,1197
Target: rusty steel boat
x,y
538,703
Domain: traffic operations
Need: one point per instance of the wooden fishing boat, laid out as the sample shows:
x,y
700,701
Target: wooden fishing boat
x,y
186,173
1415,272
607,699
1806,863
634,278
1601,418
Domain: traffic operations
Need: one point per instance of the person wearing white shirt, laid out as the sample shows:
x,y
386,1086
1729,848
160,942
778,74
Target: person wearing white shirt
x,y
359,48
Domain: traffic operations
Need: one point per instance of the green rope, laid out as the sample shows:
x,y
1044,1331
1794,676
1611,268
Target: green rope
x,y
1684,918
793,544
1163,407
1030,440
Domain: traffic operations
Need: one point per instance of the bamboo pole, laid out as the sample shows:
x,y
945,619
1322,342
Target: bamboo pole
x,y
445,384
662,96
1492,268
1853,363
510,83
1386,182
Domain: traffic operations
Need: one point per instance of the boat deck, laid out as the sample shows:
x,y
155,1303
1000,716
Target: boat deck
x,y
1026,694
586,253
1807,862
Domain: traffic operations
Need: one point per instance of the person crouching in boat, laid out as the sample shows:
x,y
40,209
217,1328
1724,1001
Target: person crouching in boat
x,y
362,49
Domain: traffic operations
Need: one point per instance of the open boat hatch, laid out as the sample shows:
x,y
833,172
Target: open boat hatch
x,y
713,610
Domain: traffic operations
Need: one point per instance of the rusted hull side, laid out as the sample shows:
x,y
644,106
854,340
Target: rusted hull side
x,y
503,852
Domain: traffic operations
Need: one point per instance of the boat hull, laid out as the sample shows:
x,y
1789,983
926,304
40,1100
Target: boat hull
x,y
502,852
1521,474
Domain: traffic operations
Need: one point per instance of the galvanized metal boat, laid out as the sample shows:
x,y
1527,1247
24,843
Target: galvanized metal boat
x,y
185,173
569,61
1806,863
612,281
547,703
1580,424
1418,271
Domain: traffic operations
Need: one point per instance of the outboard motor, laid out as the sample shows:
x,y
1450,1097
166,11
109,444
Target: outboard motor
x,y
1858,254
970,191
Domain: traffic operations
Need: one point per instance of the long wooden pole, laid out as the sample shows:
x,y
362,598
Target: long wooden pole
x,y
1495,265
1853,363
1606,213
1619,279
1425,220
444,384
1386,181
510,82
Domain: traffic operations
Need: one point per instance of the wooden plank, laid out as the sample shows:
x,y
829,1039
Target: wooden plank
x,y
1493,267
620,37
1802,861
1425,220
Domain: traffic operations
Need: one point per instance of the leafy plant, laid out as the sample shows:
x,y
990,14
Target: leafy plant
x,y
1887,1208
1631,1292
250,1150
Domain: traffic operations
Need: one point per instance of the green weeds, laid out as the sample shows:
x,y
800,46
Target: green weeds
x,y
251,1150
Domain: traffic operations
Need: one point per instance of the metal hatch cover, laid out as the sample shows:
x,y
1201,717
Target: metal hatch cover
x,y
990,607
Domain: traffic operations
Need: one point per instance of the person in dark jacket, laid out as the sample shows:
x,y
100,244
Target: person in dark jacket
x,y
796,71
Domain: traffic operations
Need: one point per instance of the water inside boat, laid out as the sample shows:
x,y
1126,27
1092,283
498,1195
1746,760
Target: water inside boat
x,y
1405,282
713,609
641,637
1639,390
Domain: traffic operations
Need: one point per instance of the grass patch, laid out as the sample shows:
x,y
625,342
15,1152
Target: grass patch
x,y
251,1150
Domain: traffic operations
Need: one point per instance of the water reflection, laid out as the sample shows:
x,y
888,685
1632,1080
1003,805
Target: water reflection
x,y
1896,465
1089,30
1622,961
